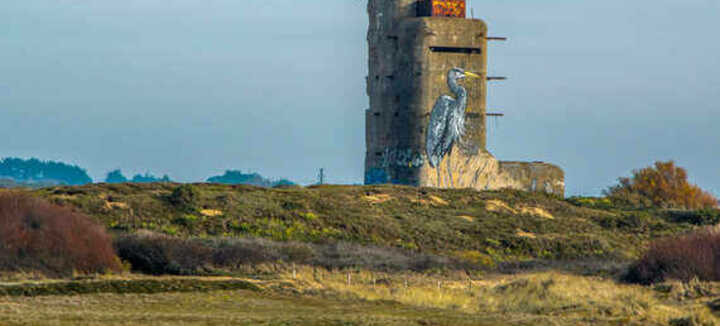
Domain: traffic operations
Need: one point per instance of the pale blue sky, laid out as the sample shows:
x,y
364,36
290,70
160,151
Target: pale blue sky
x,y
191,88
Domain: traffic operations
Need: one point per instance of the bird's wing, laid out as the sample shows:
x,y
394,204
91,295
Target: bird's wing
x,y
436,129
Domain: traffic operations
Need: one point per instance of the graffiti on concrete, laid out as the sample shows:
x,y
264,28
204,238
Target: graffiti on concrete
x,y
394,158
376,176
402,157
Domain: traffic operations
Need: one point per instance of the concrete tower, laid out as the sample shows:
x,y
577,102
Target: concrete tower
x,y
411,54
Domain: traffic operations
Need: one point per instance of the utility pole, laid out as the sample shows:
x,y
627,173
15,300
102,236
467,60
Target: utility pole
x,y
321,176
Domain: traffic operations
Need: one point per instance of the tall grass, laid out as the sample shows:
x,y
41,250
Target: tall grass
x,y
38,236
534,299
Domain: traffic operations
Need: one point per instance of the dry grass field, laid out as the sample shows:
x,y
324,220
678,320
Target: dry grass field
x,y
216,308
318,297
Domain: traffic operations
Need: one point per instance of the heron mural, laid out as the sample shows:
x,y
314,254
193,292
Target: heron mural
x,y
447,122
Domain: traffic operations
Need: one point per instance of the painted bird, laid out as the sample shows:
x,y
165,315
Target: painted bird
x,y
447,121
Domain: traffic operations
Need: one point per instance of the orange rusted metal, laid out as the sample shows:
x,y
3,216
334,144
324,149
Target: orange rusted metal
x,y
443,8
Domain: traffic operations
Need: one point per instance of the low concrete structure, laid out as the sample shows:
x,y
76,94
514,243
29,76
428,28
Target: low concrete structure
x,y
409,61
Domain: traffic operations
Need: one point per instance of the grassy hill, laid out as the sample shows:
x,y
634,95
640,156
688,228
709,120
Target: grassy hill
x,y
486,227
489,229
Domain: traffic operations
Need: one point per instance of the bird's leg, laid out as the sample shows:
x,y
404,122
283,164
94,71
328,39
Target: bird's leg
x,y
439,183
450,175
449,168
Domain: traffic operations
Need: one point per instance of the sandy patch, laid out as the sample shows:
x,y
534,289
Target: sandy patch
x,y
377,198
536,211
467,218
499,206
116,205
211,212
523,234
438,201
65,197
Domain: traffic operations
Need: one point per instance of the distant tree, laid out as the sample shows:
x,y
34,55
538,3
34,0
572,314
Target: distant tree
x,y
663,185
283,182
149,178
115,176
235,177
36,171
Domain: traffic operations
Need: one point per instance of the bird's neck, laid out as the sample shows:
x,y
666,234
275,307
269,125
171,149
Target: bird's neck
x,y
458,90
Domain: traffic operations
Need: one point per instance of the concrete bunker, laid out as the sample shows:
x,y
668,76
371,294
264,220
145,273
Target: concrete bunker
x,y
414,45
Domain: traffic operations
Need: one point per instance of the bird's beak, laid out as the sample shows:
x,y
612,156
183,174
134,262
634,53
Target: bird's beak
x,y
473,75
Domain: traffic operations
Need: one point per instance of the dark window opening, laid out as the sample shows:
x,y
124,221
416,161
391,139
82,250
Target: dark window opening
x,y
448,49
377,114
378,153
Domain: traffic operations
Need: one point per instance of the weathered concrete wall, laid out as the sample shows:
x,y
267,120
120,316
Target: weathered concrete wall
x,y
409,61
383,52
485,172
405,79
535,176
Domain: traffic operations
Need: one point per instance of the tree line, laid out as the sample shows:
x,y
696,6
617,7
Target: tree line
x,y
35,172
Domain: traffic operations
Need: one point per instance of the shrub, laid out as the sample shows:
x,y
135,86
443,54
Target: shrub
x,y
664,185
633,220
348,255
591,202
696,217
36,235
685,257
157,255
184,197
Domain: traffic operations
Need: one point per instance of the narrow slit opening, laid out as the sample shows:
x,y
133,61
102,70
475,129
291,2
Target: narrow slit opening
x,y
450,49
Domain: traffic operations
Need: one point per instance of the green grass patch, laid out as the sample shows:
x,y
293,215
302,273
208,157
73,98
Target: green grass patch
x,y
124,286
504,225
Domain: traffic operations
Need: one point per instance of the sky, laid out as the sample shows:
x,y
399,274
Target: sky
x,y
191,88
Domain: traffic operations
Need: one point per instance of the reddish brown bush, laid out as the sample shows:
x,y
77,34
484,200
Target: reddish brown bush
x,y
664,185
683,258
36,235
